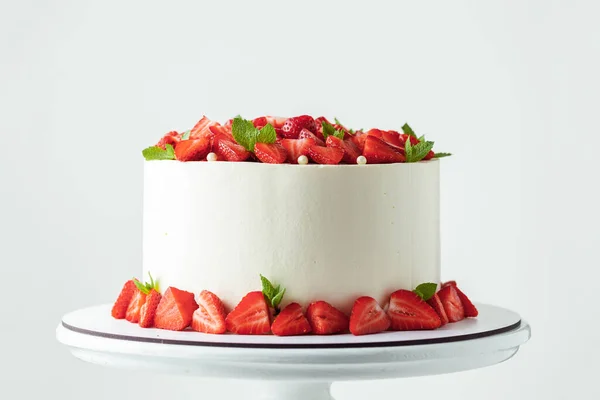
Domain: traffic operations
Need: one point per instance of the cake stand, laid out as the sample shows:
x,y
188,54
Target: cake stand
x,y
293,368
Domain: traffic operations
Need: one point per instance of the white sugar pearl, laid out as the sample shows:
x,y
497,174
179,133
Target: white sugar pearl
x,y
361,160
302,160
211,157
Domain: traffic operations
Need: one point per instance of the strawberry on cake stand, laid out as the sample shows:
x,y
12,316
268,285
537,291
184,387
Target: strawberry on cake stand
x,y
205,315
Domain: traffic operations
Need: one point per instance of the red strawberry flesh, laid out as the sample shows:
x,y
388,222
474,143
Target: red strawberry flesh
x,y
210,315
291,322
270,153
437,305
175,310
377,151
470,309
250,317
119,309
452,304
192,150
148,311
408,311
368,317
325,319
325,155
296,148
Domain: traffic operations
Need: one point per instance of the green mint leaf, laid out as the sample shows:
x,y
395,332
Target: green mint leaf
x,y
328,129
186,135
156,153
426,290
408,150
244,132
267,134
440,155
273,294
141,286
337,121
267,288
277,299
418,151
339,133
408,130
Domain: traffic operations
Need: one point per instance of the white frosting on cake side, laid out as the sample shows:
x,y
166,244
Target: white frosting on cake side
x,y
330,233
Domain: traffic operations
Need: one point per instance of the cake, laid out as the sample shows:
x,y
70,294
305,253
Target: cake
x,y
339,228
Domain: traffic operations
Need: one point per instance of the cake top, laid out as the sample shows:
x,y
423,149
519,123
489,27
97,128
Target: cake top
x,y
296,140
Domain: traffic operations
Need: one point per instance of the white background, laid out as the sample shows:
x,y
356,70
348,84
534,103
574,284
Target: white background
x,y
510,87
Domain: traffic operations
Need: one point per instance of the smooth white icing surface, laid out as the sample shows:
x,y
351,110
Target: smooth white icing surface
x,y
329,233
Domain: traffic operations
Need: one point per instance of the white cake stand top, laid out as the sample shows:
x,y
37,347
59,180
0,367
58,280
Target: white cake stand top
x,y
495,336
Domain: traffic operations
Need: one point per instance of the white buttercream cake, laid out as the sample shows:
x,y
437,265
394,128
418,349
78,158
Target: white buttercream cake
x,y
325,232
291,226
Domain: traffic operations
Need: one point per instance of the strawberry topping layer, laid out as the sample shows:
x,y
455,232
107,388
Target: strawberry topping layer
x,y
277,140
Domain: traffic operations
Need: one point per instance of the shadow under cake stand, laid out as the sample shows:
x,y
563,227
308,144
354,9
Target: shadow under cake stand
x,y
300,367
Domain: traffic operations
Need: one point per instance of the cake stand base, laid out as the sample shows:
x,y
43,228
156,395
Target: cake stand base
x,y
296,367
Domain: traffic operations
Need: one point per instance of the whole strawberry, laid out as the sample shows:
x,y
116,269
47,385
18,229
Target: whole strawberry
x,y
292,126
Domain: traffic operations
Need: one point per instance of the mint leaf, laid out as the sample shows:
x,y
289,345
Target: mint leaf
x,y
440,155
426,290
267,134
247,135
328,129
244,132
277,299
337,121
157,153
408,130
146,287
339,133
417,152
273,294
185,135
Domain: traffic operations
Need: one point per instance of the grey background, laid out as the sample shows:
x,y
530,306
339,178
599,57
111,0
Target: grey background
x,y
510,87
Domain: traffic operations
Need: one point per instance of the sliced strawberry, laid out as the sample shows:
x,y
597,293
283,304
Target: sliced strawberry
x,y
279,133
148,311
437,305
119,309
359,140
291,321
229,150
429,155
229,123
408,312
224,131
135,306
351,152
378,133
452,304
260,122
250,317
270,153
470,309
392,138
175,310
378,152
192,150
296,148
405,136
449,283
325,155
171,138
325,319
368,317
292,126
210,315
201,129
277,122
306,134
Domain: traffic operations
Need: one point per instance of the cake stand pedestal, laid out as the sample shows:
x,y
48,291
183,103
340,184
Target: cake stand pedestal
x,y
293,368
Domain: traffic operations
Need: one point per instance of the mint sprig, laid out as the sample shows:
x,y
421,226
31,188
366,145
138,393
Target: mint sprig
x,y
329,130
186,135
157,153
415,153
440,155
426,290
247,135
408,130
148,286
273,294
